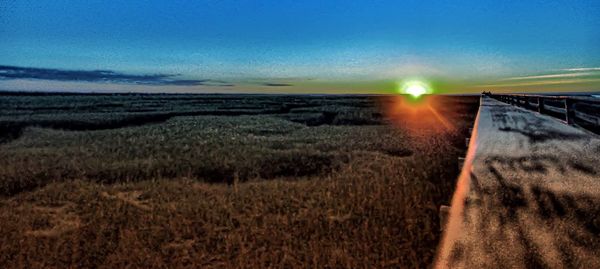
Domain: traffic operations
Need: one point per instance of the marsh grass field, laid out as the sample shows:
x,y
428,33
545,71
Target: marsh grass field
x,y
225,181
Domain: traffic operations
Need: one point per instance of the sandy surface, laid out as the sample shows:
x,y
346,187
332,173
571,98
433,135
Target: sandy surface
x,y
528,196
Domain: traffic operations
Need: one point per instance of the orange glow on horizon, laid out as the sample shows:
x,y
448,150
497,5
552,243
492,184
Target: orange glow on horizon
x,y
422,114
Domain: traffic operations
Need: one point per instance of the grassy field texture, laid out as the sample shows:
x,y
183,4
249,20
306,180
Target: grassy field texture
x,y
237,181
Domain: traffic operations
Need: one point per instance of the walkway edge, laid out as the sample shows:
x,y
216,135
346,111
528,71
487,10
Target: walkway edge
x,y
454,225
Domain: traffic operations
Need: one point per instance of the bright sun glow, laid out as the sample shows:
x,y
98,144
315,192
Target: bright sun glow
x,y
415,88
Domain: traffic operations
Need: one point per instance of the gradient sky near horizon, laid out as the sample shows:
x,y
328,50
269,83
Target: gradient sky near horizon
x,y
307,46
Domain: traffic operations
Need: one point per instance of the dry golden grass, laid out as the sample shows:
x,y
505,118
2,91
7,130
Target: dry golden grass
x,y
374,206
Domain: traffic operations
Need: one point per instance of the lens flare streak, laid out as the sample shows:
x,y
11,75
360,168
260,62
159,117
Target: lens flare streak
x,y
441,118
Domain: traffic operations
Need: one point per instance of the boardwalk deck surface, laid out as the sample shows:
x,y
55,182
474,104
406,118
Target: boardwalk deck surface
x,y
528,195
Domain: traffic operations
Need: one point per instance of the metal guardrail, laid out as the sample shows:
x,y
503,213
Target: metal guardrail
x,y
573,110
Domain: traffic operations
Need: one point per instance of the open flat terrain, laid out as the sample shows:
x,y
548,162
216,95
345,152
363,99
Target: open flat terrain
x,y
214,181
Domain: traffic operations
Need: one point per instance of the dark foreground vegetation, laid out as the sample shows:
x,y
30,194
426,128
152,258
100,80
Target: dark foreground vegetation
x,y
238,181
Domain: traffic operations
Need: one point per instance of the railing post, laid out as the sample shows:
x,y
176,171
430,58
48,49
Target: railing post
x,y
569,111
540,107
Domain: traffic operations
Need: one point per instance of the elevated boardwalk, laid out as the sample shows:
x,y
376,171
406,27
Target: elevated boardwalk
x,y
528,195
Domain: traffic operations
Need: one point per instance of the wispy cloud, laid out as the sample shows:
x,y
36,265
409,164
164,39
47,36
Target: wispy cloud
x,y
567,77
541,83
277,84
579,69
564,75
106,76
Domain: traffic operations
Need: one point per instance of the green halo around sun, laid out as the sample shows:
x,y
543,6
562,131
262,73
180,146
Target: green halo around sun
x,y
415,88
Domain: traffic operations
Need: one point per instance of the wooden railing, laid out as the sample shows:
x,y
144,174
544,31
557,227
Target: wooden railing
x,y
573,110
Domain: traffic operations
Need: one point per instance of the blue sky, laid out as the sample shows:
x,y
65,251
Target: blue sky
x,y
316,46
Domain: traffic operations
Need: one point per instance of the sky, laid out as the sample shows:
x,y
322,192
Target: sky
x,y
299,46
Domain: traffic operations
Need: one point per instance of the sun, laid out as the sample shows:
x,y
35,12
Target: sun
x,y
415,88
